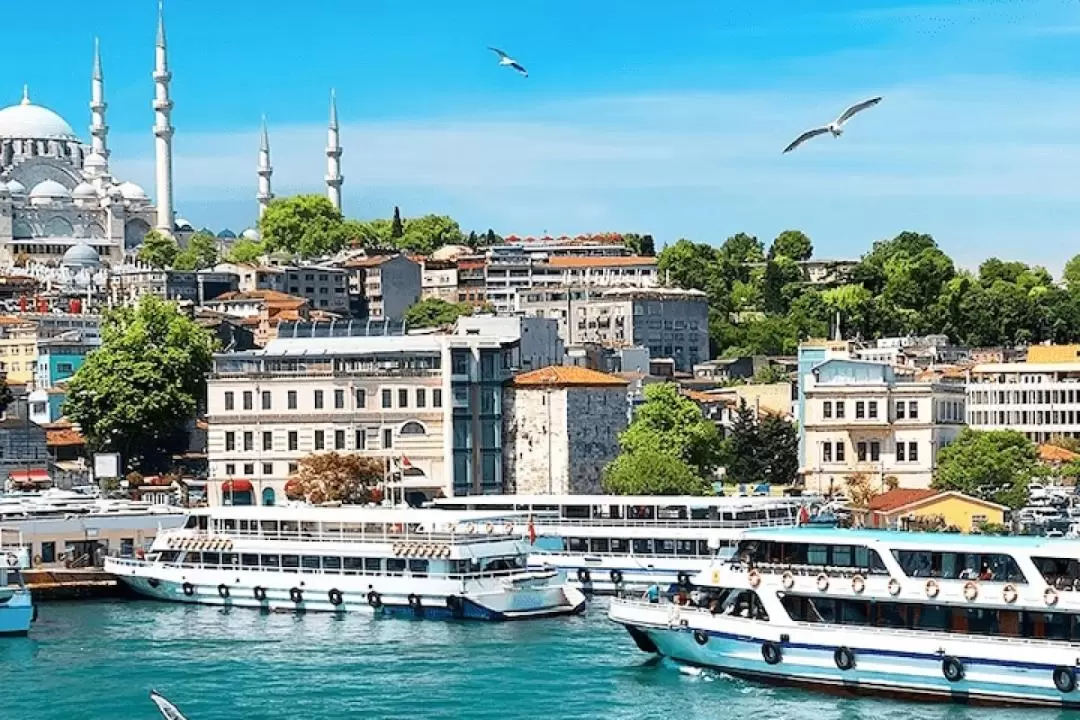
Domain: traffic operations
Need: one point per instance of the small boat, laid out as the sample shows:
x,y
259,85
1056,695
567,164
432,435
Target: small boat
x,y
17,610
167,709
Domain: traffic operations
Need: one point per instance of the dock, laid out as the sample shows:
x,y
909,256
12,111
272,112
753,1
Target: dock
x,y
72,584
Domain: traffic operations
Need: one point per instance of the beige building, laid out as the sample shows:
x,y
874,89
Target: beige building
x,y
562,427
860,417
1040,397
18,350
440,280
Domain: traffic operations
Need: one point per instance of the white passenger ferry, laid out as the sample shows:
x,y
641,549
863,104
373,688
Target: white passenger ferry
x,y
614,543
929,616
417,563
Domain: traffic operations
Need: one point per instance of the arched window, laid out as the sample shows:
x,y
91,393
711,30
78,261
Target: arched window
x,y
412,428
268,497
21,229
58,227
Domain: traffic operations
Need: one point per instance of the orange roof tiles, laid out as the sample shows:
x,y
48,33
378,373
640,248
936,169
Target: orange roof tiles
x,y
268,296
64,437
578,262
1054,454
901,497
566,376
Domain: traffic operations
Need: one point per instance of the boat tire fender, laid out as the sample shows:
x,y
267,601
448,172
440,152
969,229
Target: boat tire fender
x,y
771,652
335,596
583,575
260,593
1064,679
952,669
701,637
616,576
455,605
296,595
188,589
374,599
223,590
414,602
844,658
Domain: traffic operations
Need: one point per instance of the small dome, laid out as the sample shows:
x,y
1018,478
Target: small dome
x,y
227,234
84,191
131,191
251,234
95,161
81,256
183,225
49,190
16,188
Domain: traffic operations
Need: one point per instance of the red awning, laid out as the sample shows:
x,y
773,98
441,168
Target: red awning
x,y
33,475
236,486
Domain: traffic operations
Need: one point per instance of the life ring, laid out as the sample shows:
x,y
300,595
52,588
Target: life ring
x,y
952,669
616,576
296,595
223,590
844,658
374,599
335,596
38,561
489,528
259,593
12,560
188,589
858,584
788,580
932,588
1008,593
414,602
470,528
755,578
1050,596
583,575
1064,679
683,578
971,591
894,587
771,652
701,637
508,528
822,582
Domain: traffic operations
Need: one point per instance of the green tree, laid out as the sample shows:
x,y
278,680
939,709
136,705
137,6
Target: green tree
x,y
640,244
490,238
687,264
397,230
993,465
426,234
761,449
158,250
793,244
136,392
781,284
667,419
307,225
435,312
770,374
200,253
245,251
655,472
473,239
6,396
1071,274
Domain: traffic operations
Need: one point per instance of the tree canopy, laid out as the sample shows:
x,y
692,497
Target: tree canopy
x,y
669,420
760,449
435,312
658,472
158,250
200,253
136,393
307,225
993,465
244,251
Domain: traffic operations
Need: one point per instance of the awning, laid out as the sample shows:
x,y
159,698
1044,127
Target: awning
x,y
236,486
34,475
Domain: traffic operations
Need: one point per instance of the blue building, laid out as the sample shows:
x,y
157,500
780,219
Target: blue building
x,y
60,358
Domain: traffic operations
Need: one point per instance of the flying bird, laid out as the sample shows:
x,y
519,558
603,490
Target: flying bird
x,y
508,61
836,127
168,710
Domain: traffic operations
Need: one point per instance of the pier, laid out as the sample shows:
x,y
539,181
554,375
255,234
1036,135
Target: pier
x,y
72,584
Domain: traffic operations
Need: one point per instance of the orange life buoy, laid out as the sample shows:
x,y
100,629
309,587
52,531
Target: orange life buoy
x,y
788,580
1008,593
822,582
755,578
1050,596
932,588
894,587
971,591
858,584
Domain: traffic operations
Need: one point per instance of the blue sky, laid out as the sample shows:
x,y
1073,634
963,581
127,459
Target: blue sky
x,y
641,116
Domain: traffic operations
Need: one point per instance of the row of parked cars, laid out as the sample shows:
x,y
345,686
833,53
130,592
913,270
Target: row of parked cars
x,y
1052,510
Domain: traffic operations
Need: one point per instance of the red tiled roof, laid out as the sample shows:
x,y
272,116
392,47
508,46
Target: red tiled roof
x,y
901,497
566,376
624,261
1053,453
64,437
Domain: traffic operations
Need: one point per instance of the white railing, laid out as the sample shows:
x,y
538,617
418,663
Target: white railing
x,y
674,523
499,535
513,572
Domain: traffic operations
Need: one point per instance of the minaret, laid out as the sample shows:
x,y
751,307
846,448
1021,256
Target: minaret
x,y
265,194
333,156
98,129
163,130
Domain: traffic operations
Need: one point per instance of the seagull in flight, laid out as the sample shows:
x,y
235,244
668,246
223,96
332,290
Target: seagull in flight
x,y
508,61
167,709
836,127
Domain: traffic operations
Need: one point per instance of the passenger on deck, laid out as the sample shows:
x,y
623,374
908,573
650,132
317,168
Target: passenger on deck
x,y
653,593
986,573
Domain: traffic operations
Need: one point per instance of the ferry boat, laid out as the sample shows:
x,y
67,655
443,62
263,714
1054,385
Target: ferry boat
x,y
17,610
608,544
968,618
390,561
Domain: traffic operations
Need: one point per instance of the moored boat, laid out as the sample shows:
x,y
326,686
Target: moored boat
x,y
408,562
16,603
914,615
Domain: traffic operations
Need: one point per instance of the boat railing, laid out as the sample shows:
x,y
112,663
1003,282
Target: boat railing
x,y
487,574
832,571
627,554
668,523
341,536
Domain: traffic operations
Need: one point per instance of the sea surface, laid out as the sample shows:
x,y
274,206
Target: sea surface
x,y
98,661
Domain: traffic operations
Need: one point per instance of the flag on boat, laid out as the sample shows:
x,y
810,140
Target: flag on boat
x,y
168,710
402,462
804,515
532,531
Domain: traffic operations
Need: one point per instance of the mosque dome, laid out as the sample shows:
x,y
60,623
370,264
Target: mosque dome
x,y
16,188
184,226
131,191
27,121
226,234
250,234
95,161
81,256
48,191
84,191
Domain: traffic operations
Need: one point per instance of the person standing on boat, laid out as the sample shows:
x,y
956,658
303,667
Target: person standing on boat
x,y
653,593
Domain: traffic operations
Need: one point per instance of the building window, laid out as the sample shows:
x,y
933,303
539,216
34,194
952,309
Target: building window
x,y
249,441
421,398
899,452
339,439
873,408
318,400
361,398
860,451
860,410
248,400
412,428
899,409
230,469
294,443
361,440
387,398
387,439
403,398
293,467
840,409
826,409
249,469
266,400
840,451
875,451
230,401
826,452
268,468
339,399
292,399
913,452
48,552
913,410
319,440
436,398
230,441
268,440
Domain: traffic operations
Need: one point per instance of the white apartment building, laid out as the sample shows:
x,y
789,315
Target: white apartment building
x,y
1040,399
860,417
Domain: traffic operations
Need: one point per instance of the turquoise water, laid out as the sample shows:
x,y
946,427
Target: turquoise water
x,y
98,661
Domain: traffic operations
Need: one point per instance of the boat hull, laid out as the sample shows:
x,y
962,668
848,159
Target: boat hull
x,y
617,574
898,668
16,613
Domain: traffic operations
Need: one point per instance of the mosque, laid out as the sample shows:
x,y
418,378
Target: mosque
x,y
59,202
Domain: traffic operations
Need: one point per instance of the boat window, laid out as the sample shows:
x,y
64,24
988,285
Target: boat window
x,y
192,522
664,547
745,604
960,566
290,562
671,512
643,547
372,566
271,561
309,529
686,547
269,527
228,524
576,512
599,545
309,562
290,527
1062,573
229,559
395,565
703,547
418,567
459,567
244,526
641,512
577,545
211,558
620,545
353,565
841,555
702,513
817,555
331,564
169,556
249,560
